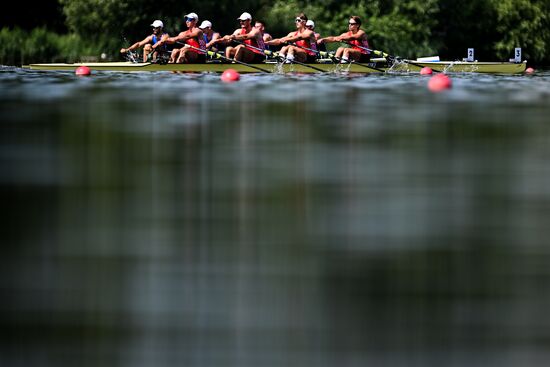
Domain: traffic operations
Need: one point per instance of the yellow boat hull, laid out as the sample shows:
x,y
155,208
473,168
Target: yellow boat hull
x,y
374,67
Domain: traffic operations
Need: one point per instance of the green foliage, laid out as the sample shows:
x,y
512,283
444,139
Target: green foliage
x,y
40,45
522,23
407,28
463,24
11,41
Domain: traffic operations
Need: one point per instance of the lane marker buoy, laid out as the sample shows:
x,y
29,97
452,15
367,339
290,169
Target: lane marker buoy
x,y
230,75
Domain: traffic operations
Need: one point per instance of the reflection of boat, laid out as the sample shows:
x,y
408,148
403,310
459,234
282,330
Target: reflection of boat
x,y
377,66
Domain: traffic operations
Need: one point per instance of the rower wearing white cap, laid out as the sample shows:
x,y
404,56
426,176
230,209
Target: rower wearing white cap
x,y
150,42
209,35
251,47
310,24
194,49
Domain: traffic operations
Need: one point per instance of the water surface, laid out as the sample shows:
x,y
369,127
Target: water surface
x,y
334,220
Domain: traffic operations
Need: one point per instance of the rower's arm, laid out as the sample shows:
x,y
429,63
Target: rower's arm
x,y
279,41
302,36
329,39
274,42
228,38
347,37
214,40
247,36
136,45
179,38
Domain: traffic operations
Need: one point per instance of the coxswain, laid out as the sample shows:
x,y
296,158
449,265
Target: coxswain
x,y
251,47
151,42
356,38
194,47
301,44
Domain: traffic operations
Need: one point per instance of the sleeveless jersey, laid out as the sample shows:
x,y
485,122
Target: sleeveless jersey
x,y
197,42
307,44
254,42
155,40
362,43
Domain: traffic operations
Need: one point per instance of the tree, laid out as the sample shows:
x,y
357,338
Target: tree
x,y
522,23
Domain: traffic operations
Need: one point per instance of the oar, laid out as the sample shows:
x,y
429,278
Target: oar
x,y
130,55
387,56
267,53
212,53
340,60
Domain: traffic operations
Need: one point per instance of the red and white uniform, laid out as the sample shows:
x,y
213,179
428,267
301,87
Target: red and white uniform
x,y
197,42
307,44
362,43
257,42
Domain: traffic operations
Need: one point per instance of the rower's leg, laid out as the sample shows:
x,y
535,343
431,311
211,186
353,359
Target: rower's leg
x,y
184,56
175,54
352,54
229,51
191,57
283,51
247,55
239,52
339,52
299,54
147,49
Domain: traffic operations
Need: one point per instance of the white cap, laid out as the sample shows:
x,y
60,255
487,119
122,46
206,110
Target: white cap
x,y
205,24
310,23
245,16
192,15
157,23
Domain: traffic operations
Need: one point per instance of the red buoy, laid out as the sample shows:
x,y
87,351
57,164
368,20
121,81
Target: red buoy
x,y
439,82
230,75
83,70
426,71
529,71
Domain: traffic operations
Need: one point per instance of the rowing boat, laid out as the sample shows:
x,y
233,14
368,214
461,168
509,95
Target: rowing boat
x,y
377,66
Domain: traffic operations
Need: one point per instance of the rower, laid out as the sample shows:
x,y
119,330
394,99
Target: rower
x,y
260,25
151,42
251,49
356,37
310,24
305,47
209,35
194,49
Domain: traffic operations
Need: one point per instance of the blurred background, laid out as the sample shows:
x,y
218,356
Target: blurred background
x,y
285,220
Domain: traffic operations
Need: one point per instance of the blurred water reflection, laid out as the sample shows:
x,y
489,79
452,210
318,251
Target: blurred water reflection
x,y
161,219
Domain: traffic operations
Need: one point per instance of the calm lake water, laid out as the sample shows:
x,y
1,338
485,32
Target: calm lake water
x,y
159,219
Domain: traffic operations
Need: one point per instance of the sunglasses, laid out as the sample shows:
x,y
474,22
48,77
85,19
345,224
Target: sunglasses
x,y
350,23
189,19
298,20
